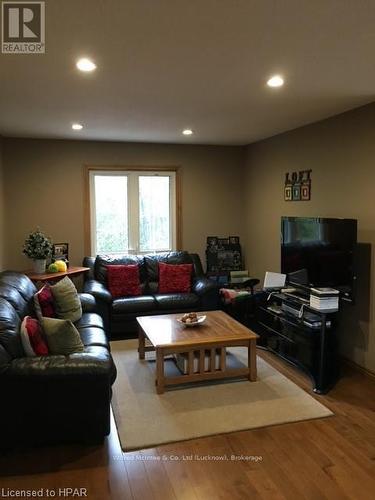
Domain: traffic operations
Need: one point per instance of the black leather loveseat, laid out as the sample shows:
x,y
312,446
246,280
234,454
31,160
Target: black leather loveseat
x,y
48,399
120,314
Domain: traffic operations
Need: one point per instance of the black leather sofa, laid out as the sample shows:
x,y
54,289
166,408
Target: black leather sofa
x,y
120,314
51,399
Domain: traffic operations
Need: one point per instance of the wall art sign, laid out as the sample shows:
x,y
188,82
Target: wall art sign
x,y
297,186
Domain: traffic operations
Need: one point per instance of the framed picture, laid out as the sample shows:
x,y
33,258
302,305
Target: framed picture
x,y
211,241
296,193
60,251
288,193
223,241
305,191
211,253
234,240
229,260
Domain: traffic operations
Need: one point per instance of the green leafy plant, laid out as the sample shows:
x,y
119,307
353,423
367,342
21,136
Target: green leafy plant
x,y
37,245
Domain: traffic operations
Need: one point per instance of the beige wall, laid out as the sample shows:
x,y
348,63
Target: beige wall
x,y
44,186
225,190
1,206
341,153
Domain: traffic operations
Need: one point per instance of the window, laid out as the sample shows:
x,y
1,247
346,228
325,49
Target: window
x,y
132,211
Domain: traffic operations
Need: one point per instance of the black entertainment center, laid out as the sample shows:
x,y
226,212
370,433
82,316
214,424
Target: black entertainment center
x,y
315,252
290,328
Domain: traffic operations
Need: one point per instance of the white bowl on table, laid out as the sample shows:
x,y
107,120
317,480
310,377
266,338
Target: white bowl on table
x,y
200,321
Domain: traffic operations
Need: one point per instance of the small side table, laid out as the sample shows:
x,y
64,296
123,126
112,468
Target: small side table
x,y
48,277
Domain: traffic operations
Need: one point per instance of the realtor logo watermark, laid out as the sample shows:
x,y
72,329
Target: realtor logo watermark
x,y
23,27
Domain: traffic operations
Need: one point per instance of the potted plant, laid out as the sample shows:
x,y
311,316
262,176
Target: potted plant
x,y
38,247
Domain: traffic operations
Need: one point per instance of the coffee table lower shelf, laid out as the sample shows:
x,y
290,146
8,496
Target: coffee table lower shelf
x,y
192,351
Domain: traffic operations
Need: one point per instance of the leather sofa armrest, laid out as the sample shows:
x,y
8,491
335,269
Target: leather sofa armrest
x,y
88,302
98,290
72,393
208,293
94,362
89,262
203,285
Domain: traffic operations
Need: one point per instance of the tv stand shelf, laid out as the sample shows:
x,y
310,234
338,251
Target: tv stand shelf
x,y
305,337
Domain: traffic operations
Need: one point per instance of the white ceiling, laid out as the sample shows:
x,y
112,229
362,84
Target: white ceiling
x,y
164,65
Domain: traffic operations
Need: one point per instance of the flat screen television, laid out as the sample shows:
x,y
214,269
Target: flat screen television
x,y
320,252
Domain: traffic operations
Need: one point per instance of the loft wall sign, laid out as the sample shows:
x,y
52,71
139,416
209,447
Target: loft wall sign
x,y
298,186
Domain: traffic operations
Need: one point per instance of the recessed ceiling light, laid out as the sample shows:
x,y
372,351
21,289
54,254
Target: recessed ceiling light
x,y
77,126
275,81
187,131
85,64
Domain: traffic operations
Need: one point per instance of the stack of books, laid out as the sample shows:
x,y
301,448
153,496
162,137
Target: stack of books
x,y
324,299
239,277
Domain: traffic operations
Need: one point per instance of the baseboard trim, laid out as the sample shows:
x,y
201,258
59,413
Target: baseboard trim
x,y
359,368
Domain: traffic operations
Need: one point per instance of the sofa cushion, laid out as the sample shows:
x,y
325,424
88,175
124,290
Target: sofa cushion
x,y
89,320
62,336
31,336
92,360
44,304
177,301
93,336
102,261
152,262
175,278
123,280
67,303
144,303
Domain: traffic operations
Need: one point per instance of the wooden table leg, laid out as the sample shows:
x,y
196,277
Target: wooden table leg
x,y
159,371
141,343
252,360
223,355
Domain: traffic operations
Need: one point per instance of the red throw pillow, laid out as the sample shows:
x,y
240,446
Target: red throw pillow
x,y
123,281
31,337
44,303
175,278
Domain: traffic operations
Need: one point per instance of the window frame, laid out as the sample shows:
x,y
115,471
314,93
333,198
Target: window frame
x,y
89,206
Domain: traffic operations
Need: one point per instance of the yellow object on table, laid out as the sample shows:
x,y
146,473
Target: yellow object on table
x,y
61,266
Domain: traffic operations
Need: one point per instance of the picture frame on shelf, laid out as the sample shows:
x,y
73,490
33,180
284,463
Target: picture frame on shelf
x,y
212,241
60,251
223,241
234,240
223,255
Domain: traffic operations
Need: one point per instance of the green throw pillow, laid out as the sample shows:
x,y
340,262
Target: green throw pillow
x,y
62,336
67,303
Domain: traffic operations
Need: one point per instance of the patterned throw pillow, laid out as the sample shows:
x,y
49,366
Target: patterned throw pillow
x,y
62,336
31,338
123,280
44,303
175,278
67,303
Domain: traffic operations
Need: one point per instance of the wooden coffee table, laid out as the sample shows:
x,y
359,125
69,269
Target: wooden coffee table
x,y
219,331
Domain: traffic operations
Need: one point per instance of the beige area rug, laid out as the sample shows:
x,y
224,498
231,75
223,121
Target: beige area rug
x,y
145,419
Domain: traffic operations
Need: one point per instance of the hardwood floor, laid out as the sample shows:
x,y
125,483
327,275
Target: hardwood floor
x,y
331,458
